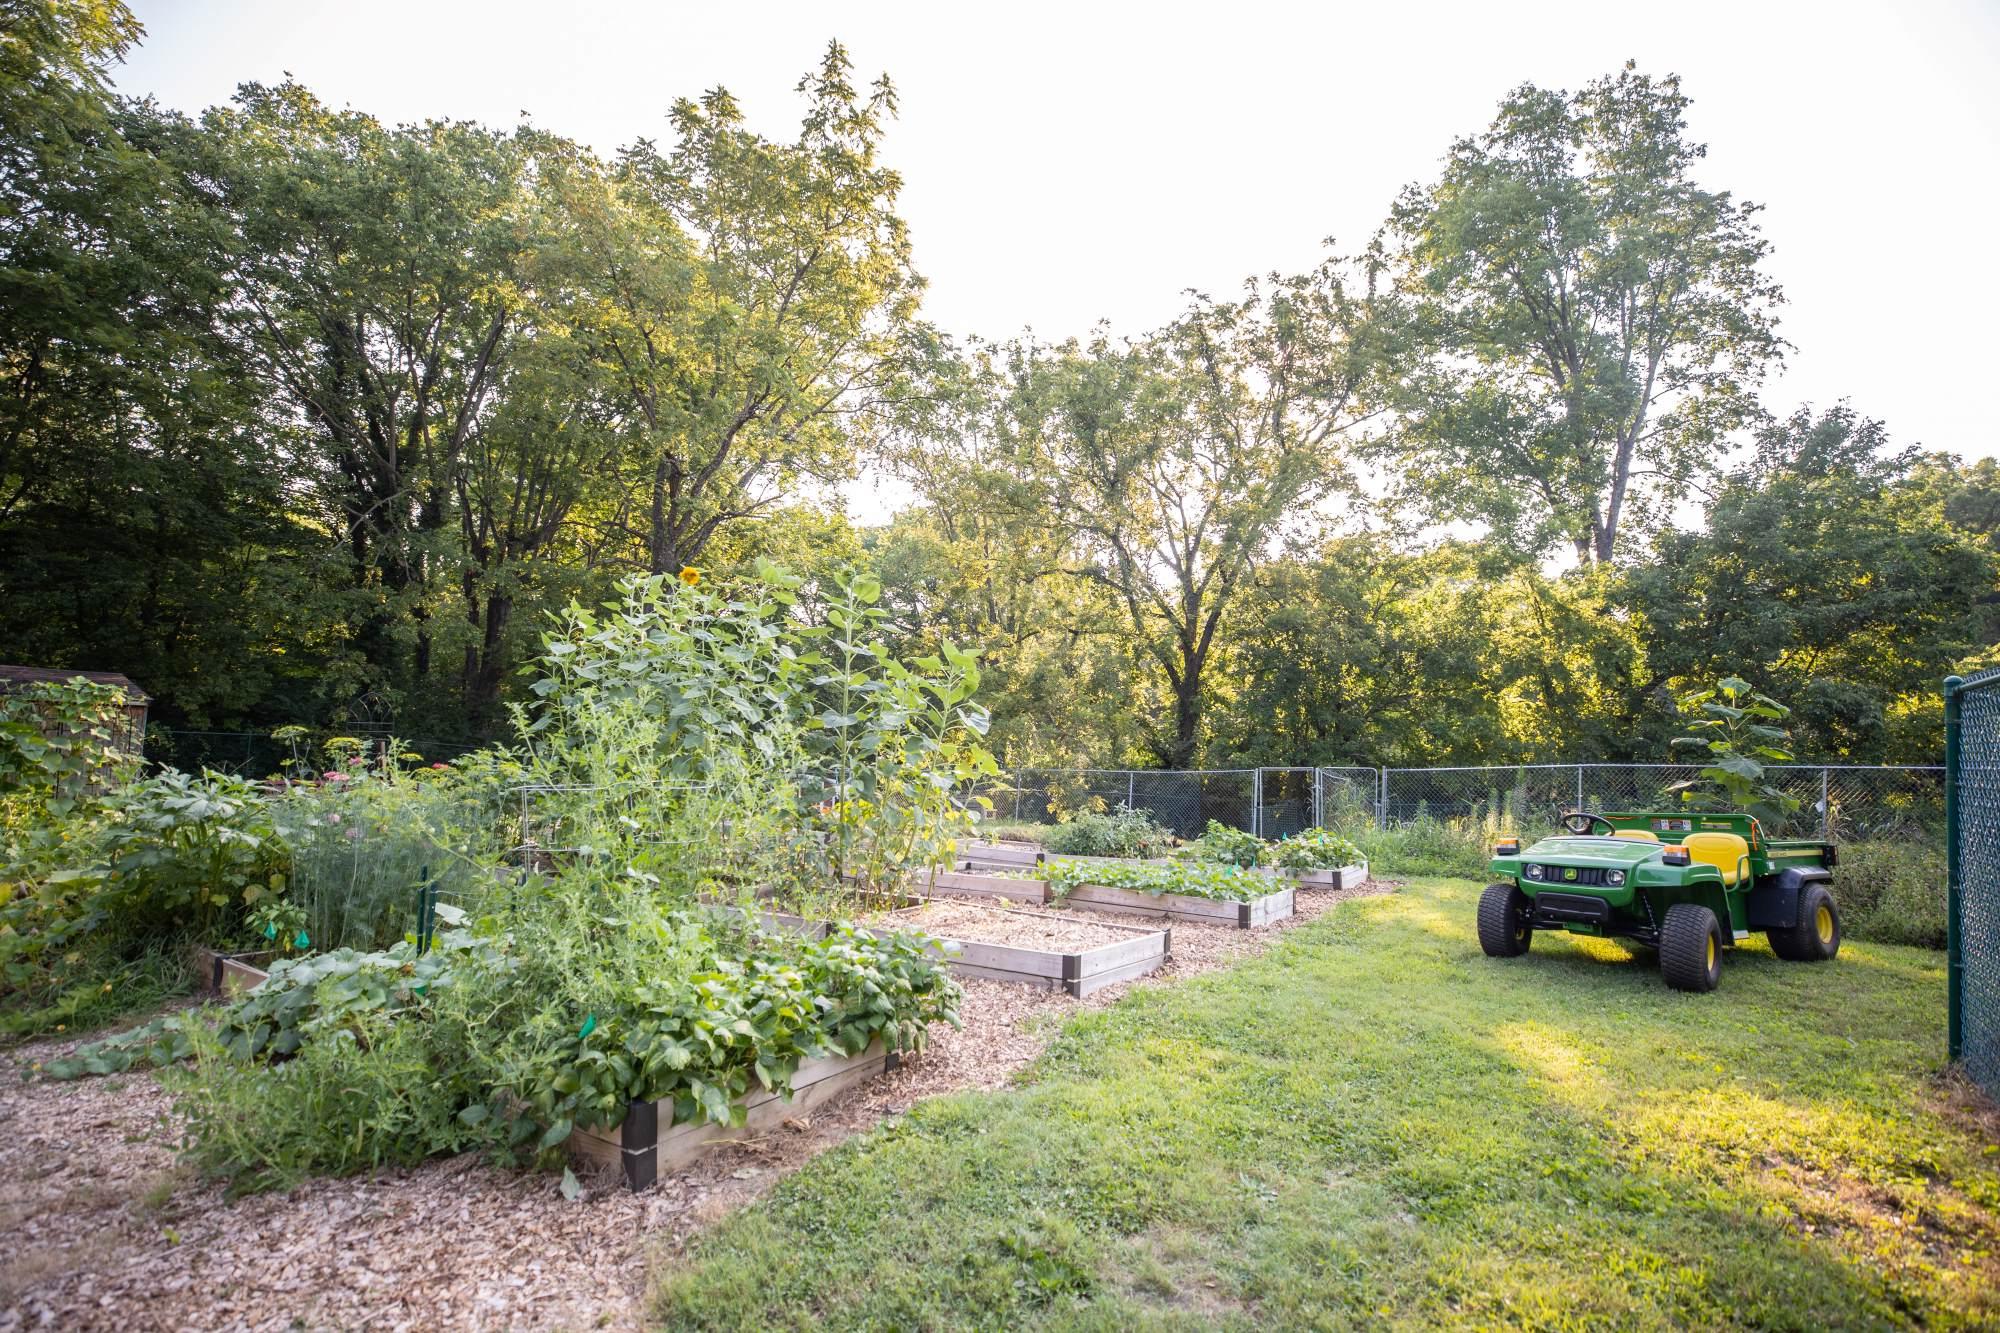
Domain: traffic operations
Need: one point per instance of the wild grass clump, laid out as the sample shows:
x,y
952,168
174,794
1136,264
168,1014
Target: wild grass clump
x,y
1893,892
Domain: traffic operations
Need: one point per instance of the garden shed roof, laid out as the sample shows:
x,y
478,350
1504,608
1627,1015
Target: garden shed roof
x,y
11,676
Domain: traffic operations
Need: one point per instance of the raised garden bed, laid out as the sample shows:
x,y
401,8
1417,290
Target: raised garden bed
x,y
1345,877
232,974
1047,950
991,855
1259,911
1197,891
643,1148
995,884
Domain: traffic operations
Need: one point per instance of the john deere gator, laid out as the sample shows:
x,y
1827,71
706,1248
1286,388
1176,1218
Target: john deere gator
x,y
1687,884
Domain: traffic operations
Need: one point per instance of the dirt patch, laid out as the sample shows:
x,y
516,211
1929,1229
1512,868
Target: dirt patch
x,y
101,1229
1021,928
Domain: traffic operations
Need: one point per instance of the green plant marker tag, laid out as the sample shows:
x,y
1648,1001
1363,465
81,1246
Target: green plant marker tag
x,y
589,1026
301,941
270,930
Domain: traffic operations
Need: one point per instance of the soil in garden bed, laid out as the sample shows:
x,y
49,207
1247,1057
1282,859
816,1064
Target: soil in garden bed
x,y
1020,928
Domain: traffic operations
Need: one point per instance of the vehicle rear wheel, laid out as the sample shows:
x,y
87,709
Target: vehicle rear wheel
x,y
1816,938
1504,931
1690,948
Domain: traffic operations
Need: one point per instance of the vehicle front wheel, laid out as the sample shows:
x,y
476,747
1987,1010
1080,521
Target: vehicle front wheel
x,y
1504,931
1690,948
1816,938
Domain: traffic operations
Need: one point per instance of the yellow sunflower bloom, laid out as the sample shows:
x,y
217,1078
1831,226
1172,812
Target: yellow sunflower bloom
x,y
690,575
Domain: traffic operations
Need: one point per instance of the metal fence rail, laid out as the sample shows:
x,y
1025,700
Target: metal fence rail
x,y
1842,801
1972,842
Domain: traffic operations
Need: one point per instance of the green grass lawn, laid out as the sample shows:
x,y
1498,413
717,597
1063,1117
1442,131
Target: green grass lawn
x,y
1373,1125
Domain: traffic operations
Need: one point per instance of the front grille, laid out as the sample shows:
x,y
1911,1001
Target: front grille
x,y
1572,907
1558,876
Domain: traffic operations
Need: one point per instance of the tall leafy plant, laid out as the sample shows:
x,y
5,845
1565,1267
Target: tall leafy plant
x,y
892,741
1734,724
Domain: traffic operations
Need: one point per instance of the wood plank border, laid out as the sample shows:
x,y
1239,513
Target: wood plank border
x,y
1346,877
965,884
1259,911
972,855
1078,972
643,1150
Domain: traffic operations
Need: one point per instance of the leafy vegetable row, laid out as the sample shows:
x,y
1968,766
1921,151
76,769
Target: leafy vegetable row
x,y
1313,849
699,1040
1195,879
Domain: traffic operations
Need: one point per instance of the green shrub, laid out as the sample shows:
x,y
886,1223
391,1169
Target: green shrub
x,y
1892,892
1224,845
1014,830
1123,832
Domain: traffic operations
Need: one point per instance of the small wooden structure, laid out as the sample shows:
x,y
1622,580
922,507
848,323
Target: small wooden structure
x,y
136,701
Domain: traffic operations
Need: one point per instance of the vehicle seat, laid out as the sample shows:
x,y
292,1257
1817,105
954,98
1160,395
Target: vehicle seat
x,y
1724,851
1637,835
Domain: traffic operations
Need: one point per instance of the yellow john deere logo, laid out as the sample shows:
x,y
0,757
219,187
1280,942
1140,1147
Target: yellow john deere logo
x,y
1570,873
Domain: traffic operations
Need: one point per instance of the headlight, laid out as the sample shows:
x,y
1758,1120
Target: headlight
x,y
1615,878
1534,872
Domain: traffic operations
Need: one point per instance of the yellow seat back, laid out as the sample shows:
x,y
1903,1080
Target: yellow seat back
x,y
1637,835
1724,851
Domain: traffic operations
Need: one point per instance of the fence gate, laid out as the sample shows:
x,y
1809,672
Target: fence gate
x,y
1972,842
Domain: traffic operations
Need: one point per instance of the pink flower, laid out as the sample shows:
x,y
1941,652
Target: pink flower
x,y
440,765
334,777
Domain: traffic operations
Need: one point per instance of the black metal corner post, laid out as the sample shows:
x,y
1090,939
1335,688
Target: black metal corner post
x,y
1954,960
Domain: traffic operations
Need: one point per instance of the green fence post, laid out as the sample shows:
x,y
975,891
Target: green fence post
x,y
425,900
1954,963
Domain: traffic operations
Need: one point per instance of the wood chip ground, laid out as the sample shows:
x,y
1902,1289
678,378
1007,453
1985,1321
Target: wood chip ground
x,y
1022,928
100,1228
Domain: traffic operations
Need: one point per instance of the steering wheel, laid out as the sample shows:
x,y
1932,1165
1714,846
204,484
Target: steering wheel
x,y
1583,823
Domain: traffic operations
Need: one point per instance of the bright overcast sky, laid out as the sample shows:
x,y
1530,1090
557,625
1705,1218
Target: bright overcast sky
x,y
1071,162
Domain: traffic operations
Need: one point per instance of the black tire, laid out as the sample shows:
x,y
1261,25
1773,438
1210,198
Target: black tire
x,y
1816,937
1504,931
1690,948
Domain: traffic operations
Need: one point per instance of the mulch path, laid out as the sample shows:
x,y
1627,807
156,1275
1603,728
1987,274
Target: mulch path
x,y
100,1228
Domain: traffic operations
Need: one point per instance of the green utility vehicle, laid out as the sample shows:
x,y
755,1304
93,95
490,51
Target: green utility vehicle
x,y
1688,884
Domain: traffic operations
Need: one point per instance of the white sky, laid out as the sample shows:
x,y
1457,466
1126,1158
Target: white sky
x,y
1070,162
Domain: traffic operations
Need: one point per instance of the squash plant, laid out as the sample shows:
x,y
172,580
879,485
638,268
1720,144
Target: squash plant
x,y
1227,846
1315,849
1195,879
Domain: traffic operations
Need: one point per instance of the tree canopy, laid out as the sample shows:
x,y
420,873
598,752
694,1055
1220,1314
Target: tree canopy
x,y
304,413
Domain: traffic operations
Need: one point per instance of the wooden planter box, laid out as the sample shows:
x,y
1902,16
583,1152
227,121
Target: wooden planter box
x,y
648,1144
1346,877
1077,973
232,974
1259,911
964,884
996,855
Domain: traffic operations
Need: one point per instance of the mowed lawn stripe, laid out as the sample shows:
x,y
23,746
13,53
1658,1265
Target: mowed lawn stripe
x,y
1373,1125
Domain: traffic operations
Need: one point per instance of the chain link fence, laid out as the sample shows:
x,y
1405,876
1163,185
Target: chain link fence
x,y
1841,802
1972,842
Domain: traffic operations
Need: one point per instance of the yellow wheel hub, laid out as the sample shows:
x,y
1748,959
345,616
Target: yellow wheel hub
x,y
1711,953
1823,919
